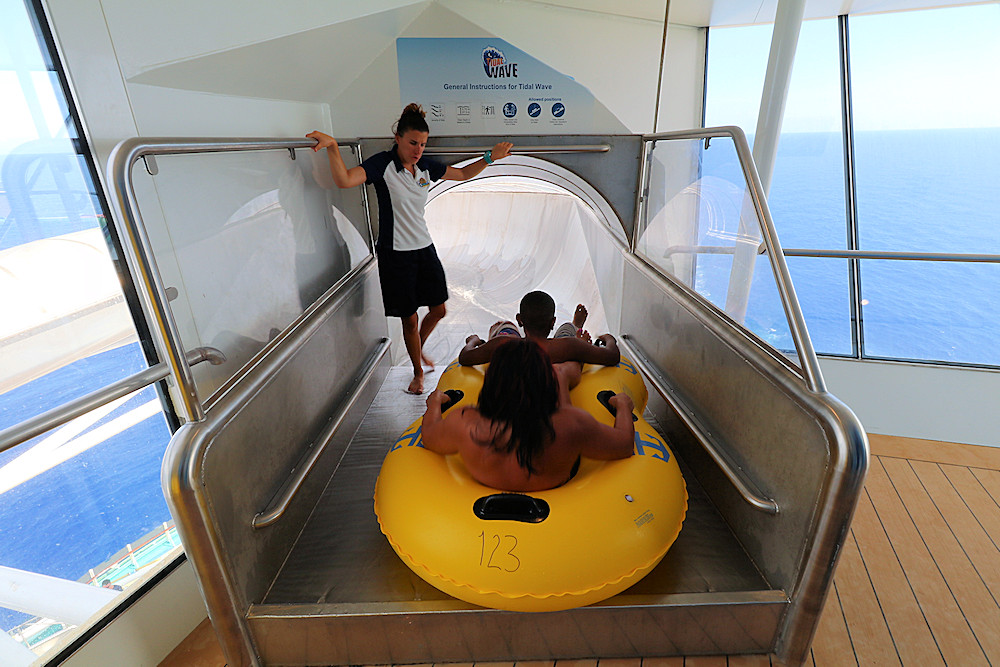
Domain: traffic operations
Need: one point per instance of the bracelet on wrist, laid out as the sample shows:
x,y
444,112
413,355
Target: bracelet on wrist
x,y
488,157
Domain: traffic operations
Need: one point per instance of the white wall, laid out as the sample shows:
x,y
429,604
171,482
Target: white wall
x,y
919,401
257,69
150,35
617,58
151,628
681,95
114,48
370,104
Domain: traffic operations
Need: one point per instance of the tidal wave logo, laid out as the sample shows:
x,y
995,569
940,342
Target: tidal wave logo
x,y
496,64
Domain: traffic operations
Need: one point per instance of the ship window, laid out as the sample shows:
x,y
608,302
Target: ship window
x,y
246,242
927,147
926,139
528,234
80,503
807,190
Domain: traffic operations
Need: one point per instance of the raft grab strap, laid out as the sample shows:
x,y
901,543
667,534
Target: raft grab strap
x,y
511,507
454,396
605,398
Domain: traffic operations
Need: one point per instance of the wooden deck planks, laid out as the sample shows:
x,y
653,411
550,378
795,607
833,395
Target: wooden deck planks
x,y
990,479
870,636
980,490
749,661
914,449
911,634
705,661
951,630
967,528
982,615
832,642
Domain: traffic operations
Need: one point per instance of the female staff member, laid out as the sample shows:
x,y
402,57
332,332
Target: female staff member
x,y
410,272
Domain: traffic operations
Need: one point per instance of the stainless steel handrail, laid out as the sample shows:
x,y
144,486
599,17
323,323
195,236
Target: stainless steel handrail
x,y
165,333
894,255
525,150
745,486
844,254
796,321
706,250
67,412
279,504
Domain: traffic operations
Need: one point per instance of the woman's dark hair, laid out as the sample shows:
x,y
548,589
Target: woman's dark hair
x,y
520,394
412,118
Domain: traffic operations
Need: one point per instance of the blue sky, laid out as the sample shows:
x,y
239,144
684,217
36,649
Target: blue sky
x,y
911,70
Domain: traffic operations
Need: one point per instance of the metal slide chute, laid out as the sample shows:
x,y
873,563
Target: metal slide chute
x,y
271,489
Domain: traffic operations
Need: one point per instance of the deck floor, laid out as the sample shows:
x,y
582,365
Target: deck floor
x,y
918,582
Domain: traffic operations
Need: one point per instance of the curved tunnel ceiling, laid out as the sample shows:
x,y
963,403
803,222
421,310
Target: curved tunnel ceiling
x,y
518,230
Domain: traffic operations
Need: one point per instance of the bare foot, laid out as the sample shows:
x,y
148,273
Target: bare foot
x,y
416,385
583,334
426,362
580,316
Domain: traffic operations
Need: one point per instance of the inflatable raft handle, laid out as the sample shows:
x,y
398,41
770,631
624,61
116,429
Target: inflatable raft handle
x,y
605,398
454,396
511,507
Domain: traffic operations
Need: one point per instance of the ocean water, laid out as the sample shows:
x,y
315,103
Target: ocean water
x,y
78,514
929,191
917,190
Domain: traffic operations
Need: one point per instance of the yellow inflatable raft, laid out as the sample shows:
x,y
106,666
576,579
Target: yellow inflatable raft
x,y
549,550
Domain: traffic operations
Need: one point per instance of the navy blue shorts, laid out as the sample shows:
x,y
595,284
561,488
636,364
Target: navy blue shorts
x,y
409,279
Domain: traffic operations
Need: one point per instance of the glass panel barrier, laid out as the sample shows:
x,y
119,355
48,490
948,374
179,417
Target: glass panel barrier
x,y
823,288
81,503
81,510
927,157
60,294
701,228
246,242
908,315
806,198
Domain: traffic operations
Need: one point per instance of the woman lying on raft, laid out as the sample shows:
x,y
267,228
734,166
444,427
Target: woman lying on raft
x,y
524,435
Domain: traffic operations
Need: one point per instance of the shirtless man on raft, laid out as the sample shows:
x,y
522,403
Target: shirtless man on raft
x,y
537,317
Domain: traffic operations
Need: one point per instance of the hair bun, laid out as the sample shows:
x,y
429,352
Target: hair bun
x,y
412,118
414,108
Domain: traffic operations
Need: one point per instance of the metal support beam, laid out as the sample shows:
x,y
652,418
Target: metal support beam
x,y
784,40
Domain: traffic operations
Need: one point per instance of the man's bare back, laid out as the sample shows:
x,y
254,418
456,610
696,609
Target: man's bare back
x,y
569,348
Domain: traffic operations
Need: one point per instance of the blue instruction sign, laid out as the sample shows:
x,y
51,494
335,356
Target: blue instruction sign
x,y
488,86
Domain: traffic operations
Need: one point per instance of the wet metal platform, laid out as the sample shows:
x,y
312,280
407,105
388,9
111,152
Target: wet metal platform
x,y
343,558
343,565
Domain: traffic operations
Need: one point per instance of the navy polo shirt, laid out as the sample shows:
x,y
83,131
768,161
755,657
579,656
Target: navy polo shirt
x,y
401,199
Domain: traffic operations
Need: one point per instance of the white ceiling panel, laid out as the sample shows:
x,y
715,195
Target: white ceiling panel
x,y
736,12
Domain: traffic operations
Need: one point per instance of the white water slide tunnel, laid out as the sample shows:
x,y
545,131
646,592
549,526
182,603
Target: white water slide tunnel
x,y
666,238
